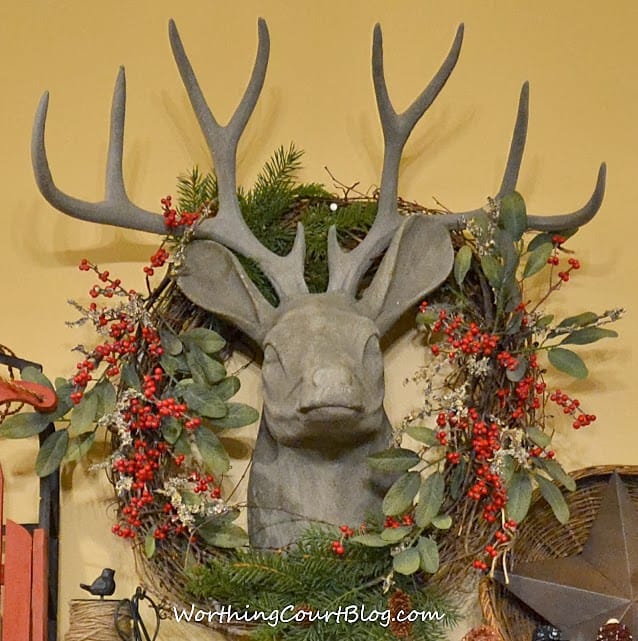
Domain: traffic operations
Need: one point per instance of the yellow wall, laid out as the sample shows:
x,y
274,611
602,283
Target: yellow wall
x,y
579,56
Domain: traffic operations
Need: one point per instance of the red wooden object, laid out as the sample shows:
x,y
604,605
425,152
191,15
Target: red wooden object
x,y
41,397
24,579
39,586
16,615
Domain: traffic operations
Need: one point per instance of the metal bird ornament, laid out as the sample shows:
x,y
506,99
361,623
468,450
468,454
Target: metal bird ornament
x,y
103,586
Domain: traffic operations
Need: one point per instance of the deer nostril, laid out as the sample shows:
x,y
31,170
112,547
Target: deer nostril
x,y
331,377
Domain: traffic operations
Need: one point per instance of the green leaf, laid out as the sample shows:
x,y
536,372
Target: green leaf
x,y
370,540
183,444
395,459
538,240
79,447
401,494
226,535
513,215
508,466
173,364
442,521
509,254
227,388
204,369
407,561
149,545
34,375
106,397
24,425
542,439
546,237
207,340
554,497
492,270
518,372
588,335
556,471
130,378
519,496
428,554
537,259
395,534
51,453
214,455
63,390
462,262
457,479
430,499
170,342
83,415
567,361
580,320
422,434
544,321
203,401
238,415
171,429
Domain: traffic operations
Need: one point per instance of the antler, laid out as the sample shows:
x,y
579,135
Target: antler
x,y
346,268
116,208
555,222
228,227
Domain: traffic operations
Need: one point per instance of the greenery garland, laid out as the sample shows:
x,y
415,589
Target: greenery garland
x,y
467,460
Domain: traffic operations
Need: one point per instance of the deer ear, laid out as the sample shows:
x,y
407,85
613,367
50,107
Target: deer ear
x,y
418,260
214,279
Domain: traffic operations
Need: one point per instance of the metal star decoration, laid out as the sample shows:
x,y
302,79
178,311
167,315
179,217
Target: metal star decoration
x,y
578,594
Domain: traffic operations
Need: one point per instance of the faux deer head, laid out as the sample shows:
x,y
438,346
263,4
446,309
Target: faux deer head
x,y
322,370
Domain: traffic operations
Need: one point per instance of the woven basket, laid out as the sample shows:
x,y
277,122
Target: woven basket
x,y
541,537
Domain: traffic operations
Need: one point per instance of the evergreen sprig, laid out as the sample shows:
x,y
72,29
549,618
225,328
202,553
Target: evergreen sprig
x,y
310,577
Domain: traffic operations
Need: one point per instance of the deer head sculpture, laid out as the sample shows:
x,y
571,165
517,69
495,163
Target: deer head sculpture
x,y
322,373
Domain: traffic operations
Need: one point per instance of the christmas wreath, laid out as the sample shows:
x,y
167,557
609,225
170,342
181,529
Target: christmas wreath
x,y
464,464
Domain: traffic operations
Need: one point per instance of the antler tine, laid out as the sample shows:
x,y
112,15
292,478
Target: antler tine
x,y
346,269
116,209
578,218
510,178
228,226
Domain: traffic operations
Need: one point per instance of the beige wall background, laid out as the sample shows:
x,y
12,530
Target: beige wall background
x,y
579,57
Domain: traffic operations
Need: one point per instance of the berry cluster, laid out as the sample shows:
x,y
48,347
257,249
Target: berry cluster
x,y
461,337
337,545
554,260
174,219
572,407
125,336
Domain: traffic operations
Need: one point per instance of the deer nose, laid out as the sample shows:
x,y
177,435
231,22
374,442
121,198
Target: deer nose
x,y
327,377
330,387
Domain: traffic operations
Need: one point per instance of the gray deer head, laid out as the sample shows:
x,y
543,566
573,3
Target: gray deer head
x,y
323,384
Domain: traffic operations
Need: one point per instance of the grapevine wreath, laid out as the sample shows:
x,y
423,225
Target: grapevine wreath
x,y
465,463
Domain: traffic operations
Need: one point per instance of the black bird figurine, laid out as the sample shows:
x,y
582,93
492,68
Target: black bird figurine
x,y
103,586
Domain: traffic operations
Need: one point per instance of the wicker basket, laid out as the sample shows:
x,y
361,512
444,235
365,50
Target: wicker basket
x,y
541,537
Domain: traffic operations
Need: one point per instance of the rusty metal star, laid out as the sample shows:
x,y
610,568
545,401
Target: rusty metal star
x,y
578,594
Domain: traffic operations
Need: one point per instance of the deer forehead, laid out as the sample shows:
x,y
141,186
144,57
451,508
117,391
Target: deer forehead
x,y
318,321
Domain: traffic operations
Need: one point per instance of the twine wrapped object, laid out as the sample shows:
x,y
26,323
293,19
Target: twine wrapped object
x,y
94,620
542,537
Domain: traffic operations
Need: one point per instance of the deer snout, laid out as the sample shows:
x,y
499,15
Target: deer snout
x,y
328,388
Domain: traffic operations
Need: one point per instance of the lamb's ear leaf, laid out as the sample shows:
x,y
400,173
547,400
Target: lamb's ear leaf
x,y
213,278
418,260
